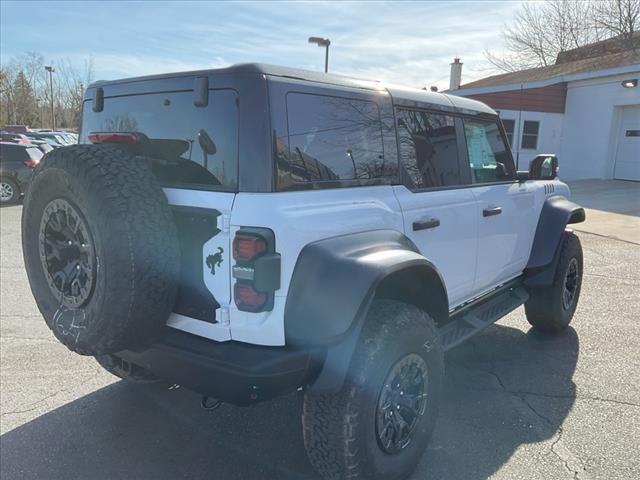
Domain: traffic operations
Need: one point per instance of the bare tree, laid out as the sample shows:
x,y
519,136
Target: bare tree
x,y
540,31
619,17
25,95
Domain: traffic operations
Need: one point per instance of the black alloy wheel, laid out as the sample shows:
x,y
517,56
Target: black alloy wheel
x,y
67,253
402,402
570,284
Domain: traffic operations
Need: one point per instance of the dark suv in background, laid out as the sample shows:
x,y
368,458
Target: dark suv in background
x,y
17,162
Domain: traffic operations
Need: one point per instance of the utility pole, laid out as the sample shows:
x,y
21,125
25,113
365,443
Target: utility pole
x,y
322,42
50,69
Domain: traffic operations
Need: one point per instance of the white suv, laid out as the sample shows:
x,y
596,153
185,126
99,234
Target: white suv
x,y
250,231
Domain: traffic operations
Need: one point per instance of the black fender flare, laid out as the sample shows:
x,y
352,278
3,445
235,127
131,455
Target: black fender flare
x,y
334,283
557,212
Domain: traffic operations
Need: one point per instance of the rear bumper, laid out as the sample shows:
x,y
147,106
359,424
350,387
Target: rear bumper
x,y
233,372
24,178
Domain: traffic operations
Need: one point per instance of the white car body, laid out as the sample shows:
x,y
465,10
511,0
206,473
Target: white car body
x,y
473,253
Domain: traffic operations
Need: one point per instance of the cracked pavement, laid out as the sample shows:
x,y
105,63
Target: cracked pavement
x,y
517,404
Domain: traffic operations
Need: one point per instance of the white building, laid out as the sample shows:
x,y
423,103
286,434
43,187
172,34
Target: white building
x,y
585,108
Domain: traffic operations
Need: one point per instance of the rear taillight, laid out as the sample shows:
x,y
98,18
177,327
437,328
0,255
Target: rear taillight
x,y
31,162
257,269
115,137
248,299
248,247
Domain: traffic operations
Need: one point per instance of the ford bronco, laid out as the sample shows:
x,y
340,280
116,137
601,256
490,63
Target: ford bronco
x,y
255,230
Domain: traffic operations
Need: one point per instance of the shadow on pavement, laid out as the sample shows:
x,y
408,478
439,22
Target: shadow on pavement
x,y
149,432
614,196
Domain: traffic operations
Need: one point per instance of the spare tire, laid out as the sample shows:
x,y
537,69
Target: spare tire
x,y
100,248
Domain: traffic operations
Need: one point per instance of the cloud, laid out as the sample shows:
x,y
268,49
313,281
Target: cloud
x,y
402,42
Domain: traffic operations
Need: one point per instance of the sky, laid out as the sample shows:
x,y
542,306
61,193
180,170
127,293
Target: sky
x,y
409,43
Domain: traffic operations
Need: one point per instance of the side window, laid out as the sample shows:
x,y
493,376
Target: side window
x,y
331,139
530,131
509,127
13,153
190,146
428,148
489,158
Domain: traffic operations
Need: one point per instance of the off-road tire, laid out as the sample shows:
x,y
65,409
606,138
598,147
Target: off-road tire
x,y
126,371
545,309
133,237
16,191
340,433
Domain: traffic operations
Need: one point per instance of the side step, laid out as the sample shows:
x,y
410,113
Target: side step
x,y
479,315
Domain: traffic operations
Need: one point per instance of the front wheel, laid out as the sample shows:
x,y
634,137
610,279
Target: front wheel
x,y
551,308
378,425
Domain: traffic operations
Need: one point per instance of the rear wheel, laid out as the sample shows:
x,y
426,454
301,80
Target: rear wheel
x,y
9,191
378,425
551,308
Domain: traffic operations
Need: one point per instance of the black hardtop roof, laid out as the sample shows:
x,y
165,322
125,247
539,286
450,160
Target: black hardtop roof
x,y
255,69
398,93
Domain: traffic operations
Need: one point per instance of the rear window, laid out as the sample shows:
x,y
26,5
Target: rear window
x,y
191,147
34,153
332,139
13,153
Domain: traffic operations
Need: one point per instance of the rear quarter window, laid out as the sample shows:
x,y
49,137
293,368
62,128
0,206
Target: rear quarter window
x,y
178,133
331,140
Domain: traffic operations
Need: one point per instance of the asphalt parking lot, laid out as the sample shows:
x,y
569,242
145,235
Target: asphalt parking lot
x,y
517,405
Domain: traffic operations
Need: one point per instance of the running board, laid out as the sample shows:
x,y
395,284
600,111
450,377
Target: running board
x,y
480,315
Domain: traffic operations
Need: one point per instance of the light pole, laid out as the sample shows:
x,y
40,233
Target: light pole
x,y
53,116
322,42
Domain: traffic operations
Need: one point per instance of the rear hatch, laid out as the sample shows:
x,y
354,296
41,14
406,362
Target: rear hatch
x,y
193,146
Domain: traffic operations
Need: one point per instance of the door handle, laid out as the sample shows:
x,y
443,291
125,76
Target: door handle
x,y
491,211
425,224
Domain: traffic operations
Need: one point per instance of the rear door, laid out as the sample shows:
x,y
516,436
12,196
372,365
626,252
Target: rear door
x,y
194,154
504,208
627,161
439,212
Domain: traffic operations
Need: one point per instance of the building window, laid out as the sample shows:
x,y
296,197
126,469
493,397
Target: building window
x,y
530,131
509,127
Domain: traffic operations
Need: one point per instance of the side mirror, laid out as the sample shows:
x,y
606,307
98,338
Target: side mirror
x,y
544,167
522,175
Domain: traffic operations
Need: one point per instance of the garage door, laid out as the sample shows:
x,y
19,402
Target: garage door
x,y
627,165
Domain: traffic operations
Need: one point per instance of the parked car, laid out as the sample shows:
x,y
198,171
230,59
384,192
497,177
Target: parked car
x,y
70,138
14,138
16,128
49,138
17,162
43,145
67,138
268,230
60,137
